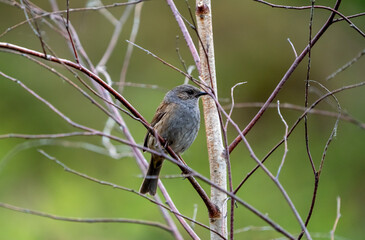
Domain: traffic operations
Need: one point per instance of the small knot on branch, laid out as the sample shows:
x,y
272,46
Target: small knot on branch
x,y
202,9
214,213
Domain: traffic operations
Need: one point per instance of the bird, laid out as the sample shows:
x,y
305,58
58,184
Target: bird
x,y
177,121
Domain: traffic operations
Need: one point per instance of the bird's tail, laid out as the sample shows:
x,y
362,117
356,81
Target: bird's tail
x,y
149,184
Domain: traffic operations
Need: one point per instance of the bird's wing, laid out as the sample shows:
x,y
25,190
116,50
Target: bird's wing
x,y
159,115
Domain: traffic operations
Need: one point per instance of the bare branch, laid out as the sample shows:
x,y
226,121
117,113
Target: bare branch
x,y
84,220
337,218
307,89
46,136
68,120
132,38
292,46
212,209
67,169
185,33
333,10
229,170
296,124
286,76
277,183
83,70
26,7
67,25
186,168
103,11
166,63
285,141
113,40
232,103
344,116
347,65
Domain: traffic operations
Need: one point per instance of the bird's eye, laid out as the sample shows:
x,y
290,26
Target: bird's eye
x,y
190,92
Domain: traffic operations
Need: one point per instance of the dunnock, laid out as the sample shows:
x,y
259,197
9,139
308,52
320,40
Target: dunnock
x,y
176,120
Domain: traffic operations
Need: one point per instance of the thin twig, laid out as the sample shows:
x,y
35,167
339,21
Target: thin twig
x,y
58,12
166,63
285,141
132,38
333,10
292,46
344,116
42,141
185,32
306,89
85,94
142,85
317,173
84,220
103,11
347,65
46,136
36,30
67,25
194,215
334,130
338,215
181,59
114,39
349,17
69,121
254,228
232,103
83,70
231,231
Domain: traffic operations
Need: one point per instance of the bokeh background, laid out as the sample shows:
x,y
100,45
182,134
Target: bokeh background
x,y
251,45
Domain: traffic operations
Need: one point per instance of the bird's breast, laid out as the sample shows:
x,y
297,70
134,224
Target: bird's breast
x,y
182,127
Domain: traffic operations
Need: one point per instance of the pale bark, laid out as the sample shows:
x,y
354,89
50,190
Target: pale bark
x,y
218,171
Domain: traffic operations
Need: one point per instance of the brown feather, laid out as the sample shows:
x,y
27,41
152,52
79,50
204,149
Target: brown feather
x,y
159,117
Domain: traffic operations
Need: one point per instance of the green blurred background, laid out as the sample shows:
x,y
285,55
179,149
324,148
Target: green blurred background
x,y
251,45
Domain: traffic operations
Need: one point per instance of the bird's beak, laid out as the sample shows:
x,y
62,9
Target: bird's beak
x,y
201,94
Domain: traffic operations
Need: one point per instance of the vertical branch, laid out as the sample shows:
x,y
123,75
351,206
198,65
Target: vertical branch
x,y
233,202
132,38
36,30
337,218
307,89
114,39
67,24
218,168
185,33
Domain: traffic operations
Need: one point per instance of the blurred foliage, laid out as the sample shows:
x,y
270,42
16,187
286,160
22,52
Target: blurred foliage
x,y
251,45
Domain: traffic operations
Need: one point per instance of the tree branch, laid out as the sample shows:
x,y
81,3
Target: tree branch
x,y
288,73
84,220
